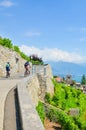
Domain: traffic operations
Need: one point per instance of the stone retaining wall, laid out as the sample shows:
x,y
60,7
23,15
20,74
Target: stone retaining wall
x,y
16,62
40,83
29,116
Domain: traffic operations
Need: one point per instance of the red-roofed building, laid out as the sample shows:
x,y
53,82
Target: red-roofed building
x,y
58,79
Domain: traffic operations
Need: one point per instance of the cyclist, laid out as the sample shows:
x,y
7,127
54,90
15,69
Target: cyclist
x,y
27,69
7,70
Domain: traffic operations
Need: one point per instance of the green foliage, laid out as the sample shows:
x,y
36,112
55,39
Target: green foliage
x,y
83,80
16,48
47,97
37,62
66,98
41,111
59,116
24,56
6,42
55,76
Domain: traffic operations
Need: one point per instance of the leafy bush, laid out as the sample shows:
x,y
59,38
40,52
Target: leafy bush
x,y
24,56
47,98
41,111
59,116
6,42
16,48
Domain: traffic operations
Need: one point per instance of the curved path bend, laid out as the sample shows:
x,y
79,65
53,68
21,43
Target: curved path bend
x,y
6,84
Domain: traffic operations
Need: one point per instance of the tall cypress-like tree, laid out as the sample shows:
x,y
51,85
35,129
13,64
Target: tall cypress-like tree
x,y
83,80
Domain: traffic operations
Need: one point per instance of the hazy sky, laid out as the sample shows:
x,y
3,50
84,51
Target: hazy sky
x,y
53,29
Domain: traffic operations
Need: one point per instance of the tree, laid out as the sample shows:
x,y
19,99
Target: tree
x,y
83,80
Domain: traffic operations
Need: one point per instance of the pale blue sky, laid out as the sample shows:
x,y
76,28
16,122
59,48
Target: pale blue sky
x,y
53,29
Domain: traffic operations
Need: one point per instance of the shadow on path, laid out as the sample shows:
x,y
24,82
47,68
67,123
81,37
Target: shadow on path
x,y
12,116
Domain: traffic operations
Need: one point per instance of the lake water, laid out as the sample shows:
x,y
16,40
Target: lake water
x,y
77,78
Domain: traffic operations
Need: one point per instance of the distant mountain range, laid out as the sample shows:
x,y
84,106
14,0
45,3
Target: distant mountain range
x,y
64,68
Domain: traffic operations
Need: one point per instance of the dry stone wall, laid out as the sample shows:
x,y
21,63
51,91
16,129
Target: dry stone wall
x,y
40,83
16,62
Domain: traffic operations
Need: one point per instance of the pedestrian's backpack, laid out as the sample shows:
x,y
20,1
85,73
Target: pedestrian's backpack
x,y
7,67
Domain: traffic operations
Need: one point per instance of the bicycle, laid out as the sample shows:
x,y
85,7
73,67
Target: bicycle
x,y
7,74
26,73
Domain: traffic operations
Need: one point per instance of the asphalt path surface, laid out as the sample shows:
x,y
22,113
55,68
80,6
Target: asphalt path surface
x,y
7,101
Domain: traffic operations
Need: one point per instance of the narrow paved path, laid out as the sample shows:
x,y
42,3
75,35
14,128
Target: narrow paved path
x,y
10,112
5,86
